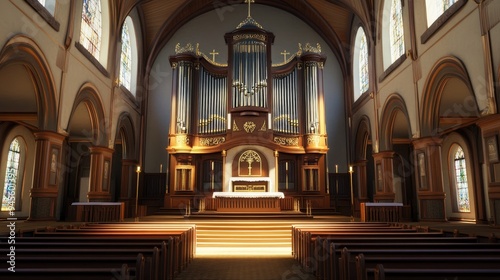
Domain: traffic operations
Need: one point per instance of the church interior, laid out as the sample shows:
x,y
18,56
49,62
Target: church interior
x,y
270,117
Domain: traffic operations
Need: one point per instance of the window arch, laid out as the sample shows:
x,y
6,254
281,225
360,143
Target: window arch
x,y
13,176
129,56
461,186
392,32
435,8
91,27
360,68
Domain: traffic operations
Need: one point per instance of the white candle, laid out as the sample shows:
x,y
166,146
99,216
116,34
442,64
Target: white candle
x,y
350,168
138,168
286,166
336,168
212,165
161,168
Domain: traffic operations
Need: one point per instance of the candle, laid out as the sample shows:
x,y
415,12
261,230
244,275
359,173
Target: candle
x,y
138,168
212,165
336,168
286,166
350,168
161,168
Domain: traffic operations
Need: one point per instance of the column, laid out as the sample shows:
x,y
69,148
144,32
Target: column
x,y
100,171
46,176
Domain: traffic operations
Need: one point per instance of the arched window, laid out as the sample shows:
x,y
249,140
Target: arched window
x,y
126,58
50,5
435,8
393,46
396,30
461,184
13,177
129,56
91,27
360,68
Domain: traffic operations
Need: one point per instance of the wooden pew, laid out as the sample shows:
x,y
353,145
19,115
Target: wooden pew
x,y
182,245
101,242
425,257
329,252
382,273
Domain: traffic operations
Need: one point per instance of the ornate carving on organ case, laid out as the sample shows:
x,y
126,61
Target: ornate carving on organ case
x,y
287,141
212,141
249,126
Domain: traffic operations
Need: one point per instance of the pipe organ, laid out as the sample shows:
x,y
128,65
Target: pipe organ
x,y
275,110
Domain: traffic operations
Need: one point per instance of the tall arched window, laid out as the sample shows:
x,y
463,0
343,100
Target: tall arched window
x,y
393,46
360,68
12,180
50,5
461,183
435,8
91,27
126,58
396,30
129,56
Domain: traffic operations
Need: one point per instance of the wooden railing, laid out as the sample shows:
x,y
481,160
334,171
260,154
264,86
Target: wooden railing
x,y
98,211
381,212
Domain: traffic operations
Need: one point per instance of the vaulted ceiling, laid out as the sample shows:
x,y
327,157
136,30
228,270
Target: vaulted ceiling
x,y
332,19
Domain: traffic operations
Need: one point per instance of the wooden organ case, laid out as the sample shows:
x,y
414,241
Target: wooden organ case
x,y
247,106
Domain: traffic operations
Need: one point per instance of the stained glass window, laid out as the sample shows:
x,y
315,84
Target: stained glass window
x,y
90,30
363,64
126,57
11,176
396,32
435,8
461,185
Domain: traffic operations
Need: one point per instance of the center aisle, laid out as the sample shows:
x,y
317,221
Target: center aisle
x,y
244,248
250,249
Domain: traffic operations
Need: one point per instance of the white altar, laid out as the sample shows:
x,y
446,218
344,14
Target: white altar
x,y
248,195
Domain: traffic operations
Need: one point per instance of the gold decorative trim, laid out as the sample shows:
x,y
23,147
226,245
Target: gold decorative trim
x,y
313,140
287,141
235,126
249,36
189,48
249,21
263,127
212,141
309,48
212,62
181,140
249,127
213,117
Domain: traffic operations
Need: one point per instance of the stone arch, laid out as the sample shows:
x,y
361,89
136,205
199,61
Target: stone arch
x,y
394,122
126,134
87,120
460,103
22,54
363,135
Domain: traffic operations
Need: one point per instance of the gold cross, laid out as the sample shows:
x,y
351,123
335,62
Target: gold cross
x,y
213,53
284,53
249,2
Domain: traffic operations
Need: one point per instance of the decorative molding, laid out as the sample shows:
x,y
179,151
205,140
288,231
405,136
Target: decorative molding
x,y
249,127
313,140
212,141
287,141
181,139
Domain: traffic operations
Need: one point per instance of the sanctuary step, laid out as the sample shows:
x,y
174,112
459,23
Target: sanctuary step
x,y
248,233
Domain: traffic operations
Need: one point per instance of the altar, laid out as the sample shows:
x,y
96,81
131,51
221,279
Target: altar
x,y
247,201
